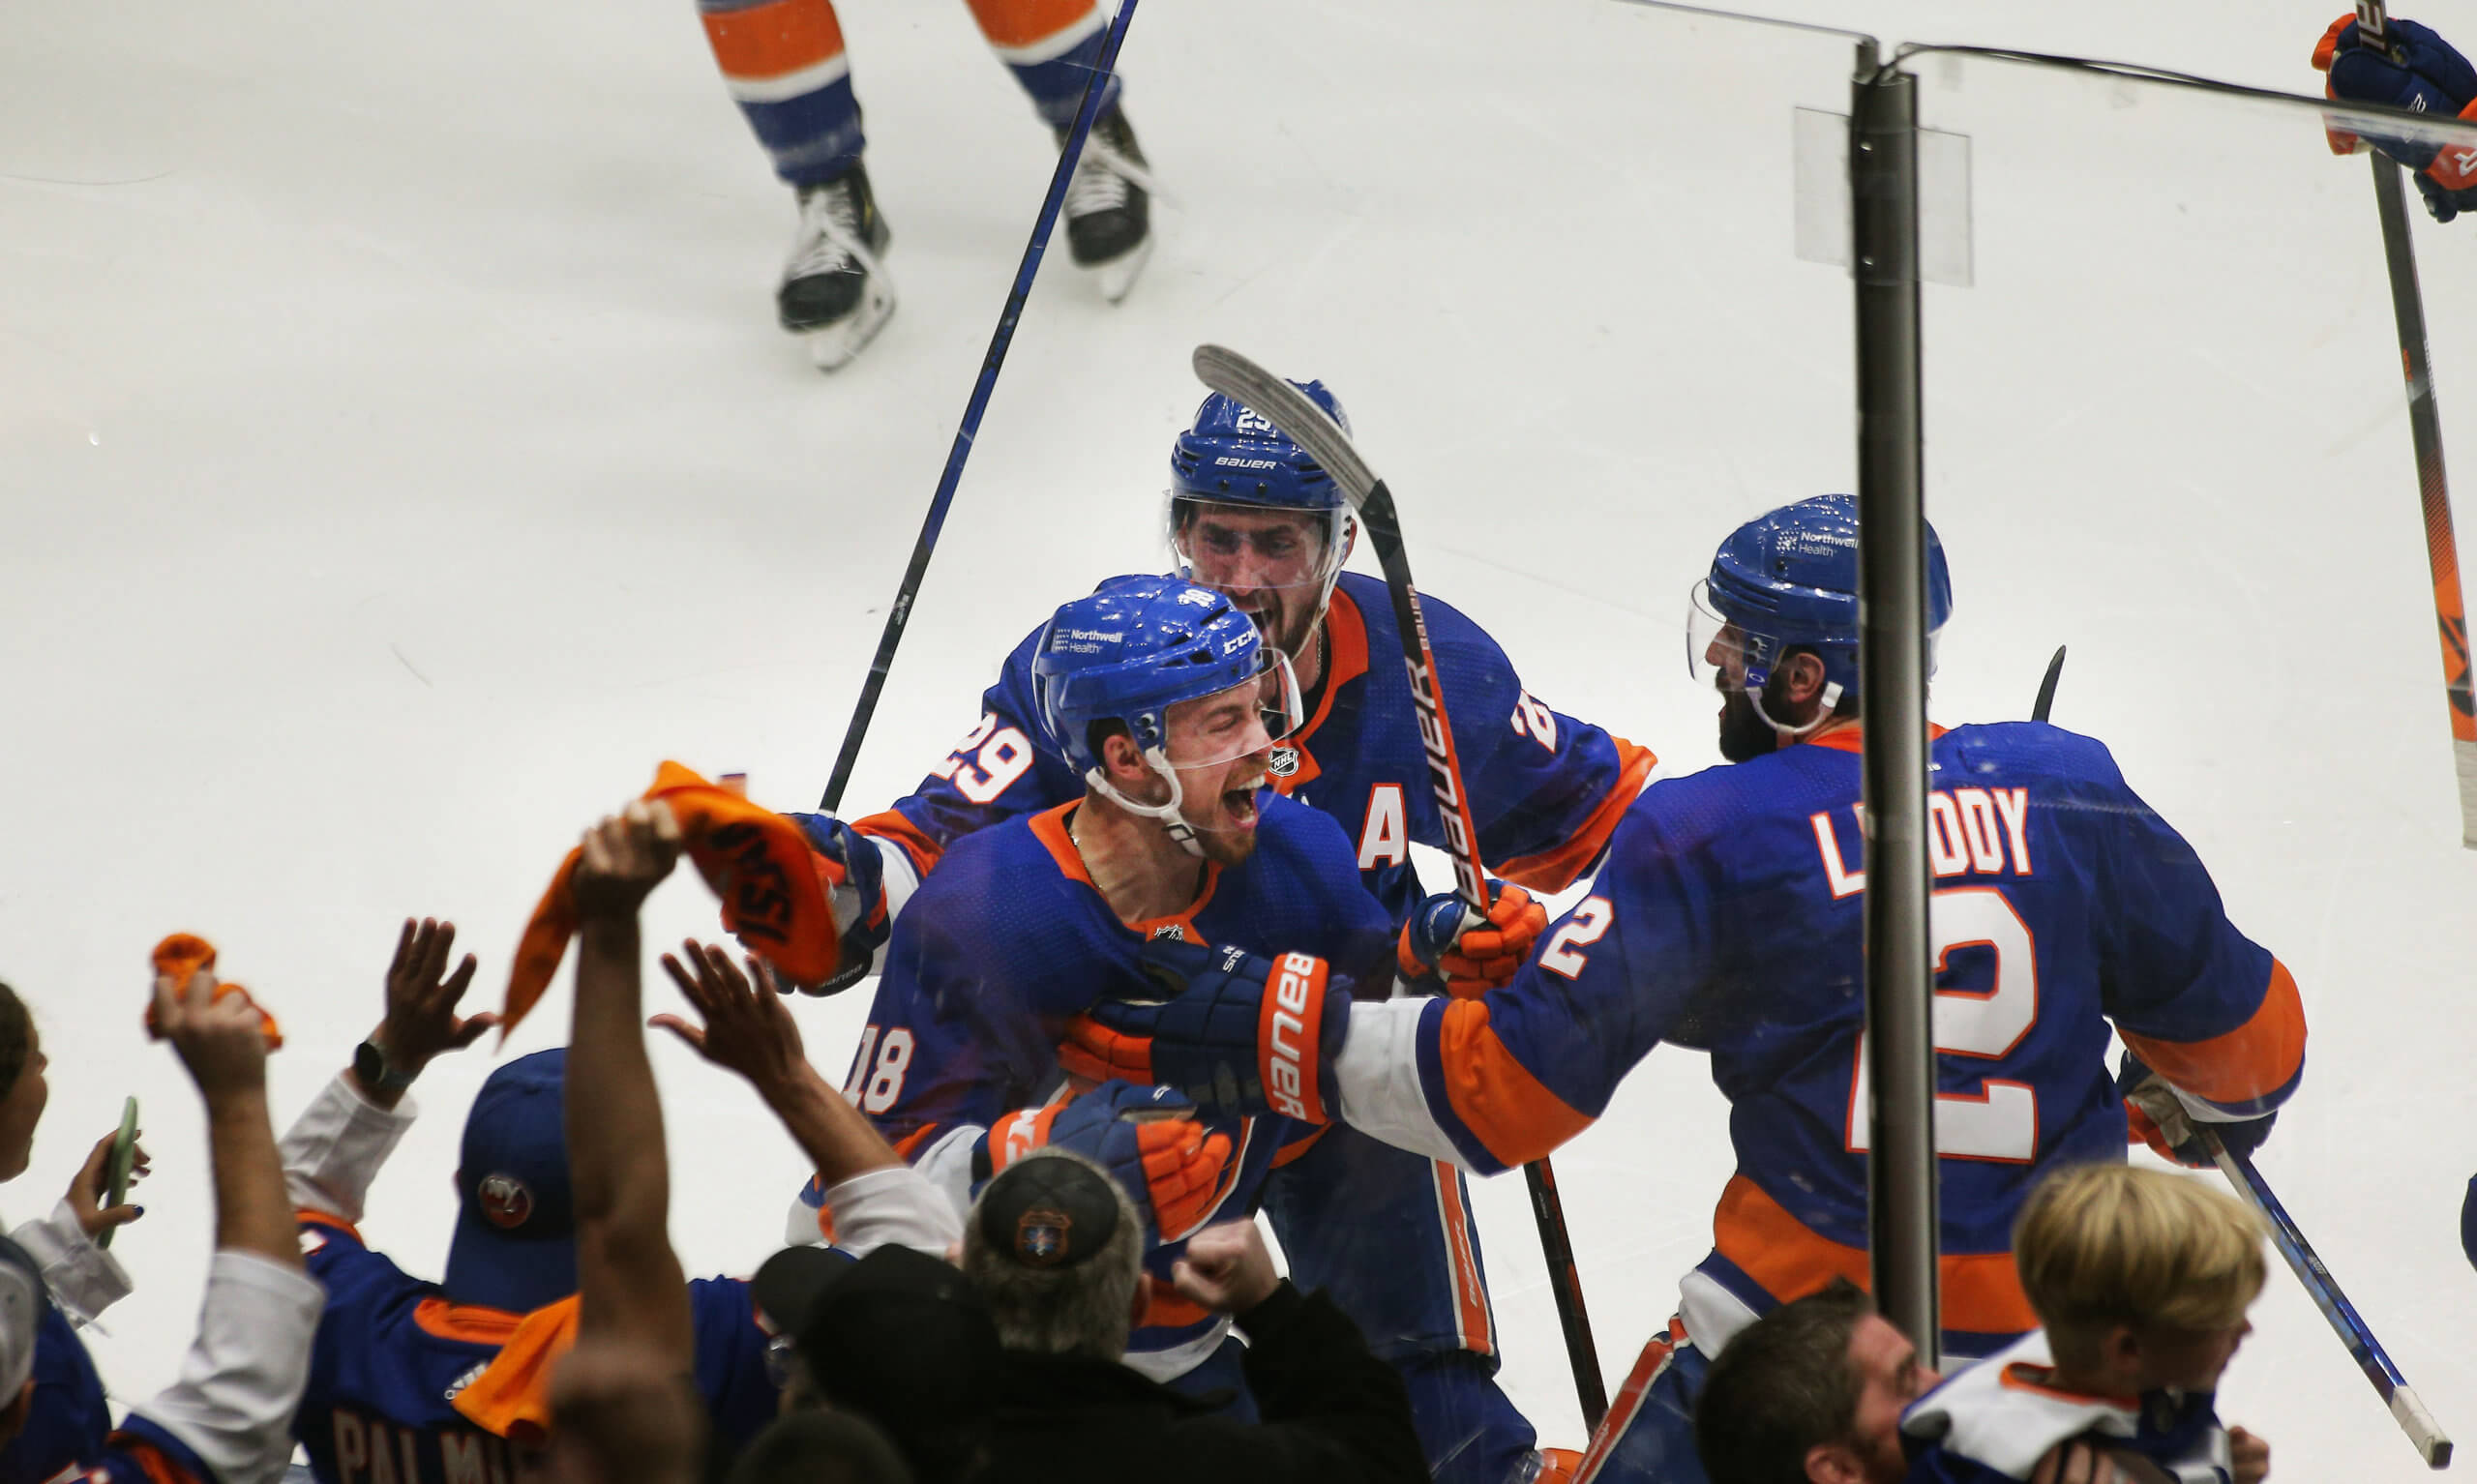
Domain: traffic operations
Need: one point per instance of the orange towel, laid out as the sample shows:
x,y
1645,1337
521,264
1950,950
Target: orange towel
x,y
512,1397
755,859
184,954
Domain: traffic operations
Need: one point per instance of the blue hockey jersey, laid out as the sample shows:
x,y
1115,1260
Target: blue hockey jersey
x,y
141,1452
1545,789
1728,918
1009,940
66,1428
1993,1421
393,1356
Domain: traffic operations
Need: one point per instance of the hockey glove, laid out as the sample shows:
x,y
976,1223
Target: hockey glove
x,y
1148,1139
1481,957
2438,80
2157,1118
853,876
1236,1033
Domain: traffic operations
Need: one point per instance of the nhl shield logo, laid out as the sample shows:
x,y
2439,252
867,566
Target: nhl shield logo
x,y
505,1201
1284,762
1170,933
1040,1236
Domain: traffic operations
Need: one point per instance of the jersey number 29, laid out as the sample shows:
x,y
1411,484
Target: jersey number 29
x,y
2000,1122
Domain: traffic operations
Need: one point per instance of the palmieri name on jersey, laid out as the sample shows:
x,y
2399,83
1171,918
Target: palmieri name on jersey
x,y
1986,831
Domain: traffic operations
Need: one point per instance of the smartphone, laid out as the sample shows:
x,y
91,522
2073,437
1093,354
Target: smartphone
x,y
124,1158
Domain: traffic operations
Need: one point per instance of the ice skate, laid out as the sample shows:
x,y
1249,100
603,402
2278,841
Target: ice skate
x,y
835,293
1109,206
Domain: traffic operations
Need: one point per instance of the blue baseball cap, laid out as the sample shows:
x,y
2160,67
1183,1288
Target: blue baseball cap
x,y
515,1246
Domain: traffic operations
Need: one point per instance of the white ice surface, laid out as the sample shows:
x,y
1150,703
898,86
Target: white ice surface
x,y
398,458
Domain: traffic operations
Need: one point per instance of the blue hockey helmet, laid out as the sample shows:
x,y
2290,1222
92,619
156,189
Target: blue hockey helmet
x,y
1231,455
1138,646
1789,581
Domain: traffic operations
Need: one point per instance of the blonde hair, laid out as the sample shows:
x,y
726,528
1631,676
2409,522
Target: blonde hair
x,y
2102,1245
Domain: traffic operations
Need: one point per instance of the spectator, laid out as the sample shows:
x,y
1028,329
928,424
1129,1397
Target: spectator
x,y
1055,1249
223,1421
2140,1279
454,1375
898,1338
66,1424
627,1408
821,1447
1810,1393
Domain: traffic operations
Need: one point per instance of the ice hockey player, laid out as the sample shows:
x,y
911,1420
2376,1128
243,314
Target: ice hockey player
x,y
2140,1279
1728,918
2433,79
1252,518
1169,702
782,62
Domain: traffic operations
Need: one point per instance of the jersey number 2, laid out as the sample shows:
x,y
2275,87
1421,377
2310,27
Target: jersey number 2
x,y
2000,1122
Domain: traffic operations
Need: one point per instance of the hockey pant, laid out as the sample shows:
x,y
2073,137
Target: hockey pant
x,y
1389,1235
784,64
1648,1437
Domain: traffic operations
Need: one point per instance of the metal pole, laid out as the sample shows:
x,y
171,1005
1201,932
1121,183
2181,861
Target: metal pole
x,y
1892,669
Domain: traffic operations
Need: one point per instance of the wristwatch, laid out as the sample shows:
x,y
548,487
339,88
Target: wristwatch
x,y
376,1071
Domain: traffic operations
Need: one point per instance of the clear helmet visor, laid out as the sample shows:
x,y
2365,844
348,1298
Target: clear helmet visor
x,y
1232,724
1721,653
1277,566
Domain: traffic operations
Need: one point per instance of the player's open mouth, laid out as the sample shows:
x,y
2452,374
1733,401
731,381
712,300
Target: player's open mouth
x,y
1240,804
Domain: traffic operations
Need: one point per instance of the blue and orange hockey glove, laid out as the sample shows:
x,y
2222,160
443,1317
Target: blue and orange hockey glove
x,y
1476,959
2437,80
2155,1116
853,876
1238,1034
1148,1139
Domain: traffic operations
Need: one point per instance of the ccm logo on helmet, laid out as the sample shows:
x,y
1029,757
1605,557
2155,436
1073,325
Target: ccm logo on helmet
x,y
1297,976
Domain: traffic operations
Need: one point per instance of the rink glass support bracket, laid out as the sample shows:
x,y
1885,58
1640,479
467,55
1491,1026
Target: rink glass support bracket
x,y
1901,1216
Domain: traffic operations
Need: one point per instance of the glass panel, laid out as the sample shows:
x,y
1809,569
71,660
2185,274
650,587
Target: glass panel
x,y
2170,411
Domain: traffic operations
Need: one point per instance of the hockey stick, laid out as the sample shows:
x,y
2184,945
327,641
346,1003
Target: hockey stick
x,y
2176,1127
899,615
2046,687
2425,1434
1304,423
2425,433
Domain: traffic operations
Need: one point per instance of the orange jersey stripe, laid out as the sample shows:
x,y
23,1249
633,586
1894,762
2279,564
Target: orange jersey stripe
x,y
1553,870
473,1324
1512,1114
2255,1060
891,824
771,39
512,1397
1027,22
1982,1291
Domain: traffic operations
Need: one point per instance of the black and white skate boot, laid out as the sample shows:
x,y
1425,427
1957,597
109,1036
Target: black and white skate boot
x,y
835,292
1109,205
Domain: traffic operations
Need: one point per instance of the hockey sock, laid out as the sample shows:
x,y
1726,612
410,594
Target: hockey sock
x,y
1052,47
784,64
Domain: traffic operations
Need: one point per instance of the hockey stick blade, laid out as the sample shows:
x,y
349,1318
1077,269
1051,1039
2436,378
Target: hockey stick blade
x,y
1288,408
2046,687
